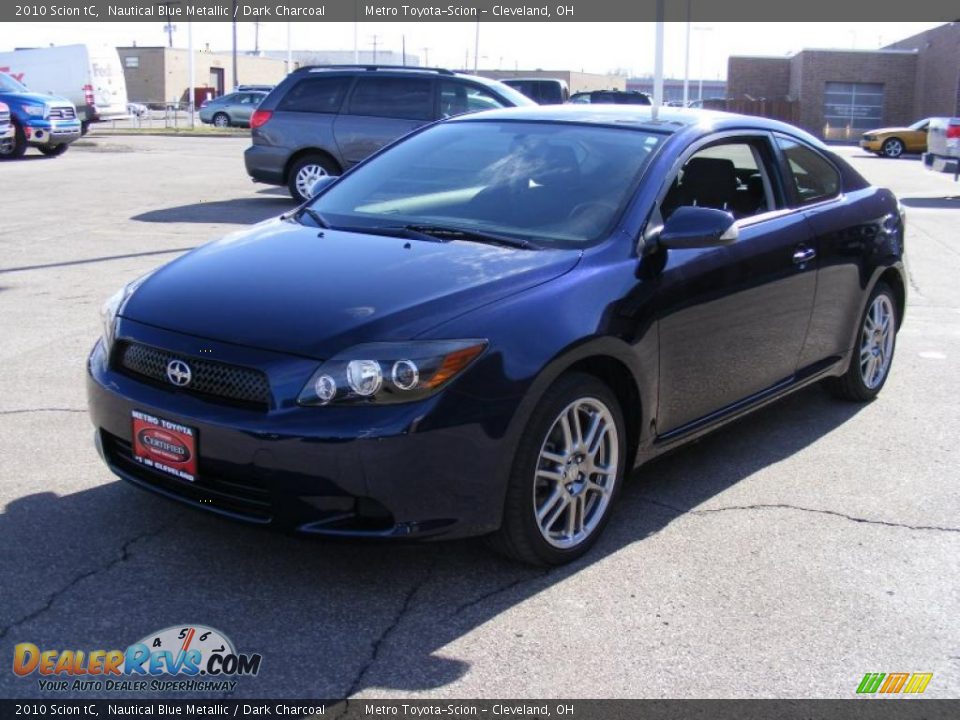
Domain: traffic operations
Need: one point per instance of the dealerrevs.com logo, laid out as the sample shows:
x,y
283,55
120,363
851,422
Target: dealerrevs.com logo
x,y
179,658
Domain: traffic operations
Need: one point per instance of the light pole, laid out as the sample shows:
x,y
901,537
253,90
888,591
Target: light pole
x,y
476,49
236,81
701,28
686,62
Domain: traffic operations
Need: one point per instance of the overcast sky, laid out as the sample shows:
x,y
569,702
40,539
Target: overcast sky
x,y
593,47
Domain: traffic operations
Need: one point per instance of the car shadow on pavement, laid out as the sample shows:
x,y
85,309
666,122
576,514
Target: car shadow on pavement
x,y
948,202
238,211
104,567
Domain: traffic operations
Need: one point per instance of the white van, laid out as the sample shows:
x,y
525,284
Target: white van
x,y
90,76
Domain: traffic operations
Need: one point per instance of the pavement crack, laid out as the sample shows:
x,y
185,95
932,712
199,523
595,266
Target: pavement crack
x,y
24,411
123,556
798,508
499,591
357,684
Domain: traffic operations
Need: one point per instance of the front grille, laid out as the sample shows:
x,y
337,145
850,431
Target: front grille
x,y
62,113
238,497
214,380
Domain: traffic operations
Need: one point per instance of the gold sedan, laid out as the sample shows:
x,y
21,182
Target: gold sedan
x,y
894,142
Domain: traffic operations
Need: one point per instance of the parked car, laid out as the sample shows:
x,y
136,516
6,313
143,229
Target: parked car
x,y
893,142
7,130
543,91
233,109
610,97
89,76
503,315
323,120
137,110
943,153
45,122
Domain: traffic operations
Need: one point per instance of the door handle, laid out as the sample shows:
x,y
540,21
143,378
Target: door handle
x,y
804,255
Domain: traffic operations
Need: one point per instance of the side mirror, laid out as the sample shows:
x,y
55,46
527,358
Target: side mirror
x,y
322,182
698,227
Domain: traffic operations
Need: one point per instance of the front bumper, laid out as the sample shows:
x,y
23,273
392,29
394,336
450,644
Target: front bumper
x,y
871,145
51,132
397,471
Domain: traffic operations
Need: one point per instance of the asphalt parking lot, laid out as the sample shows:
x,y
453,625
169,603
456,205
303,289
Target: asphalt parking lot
x,y
784,556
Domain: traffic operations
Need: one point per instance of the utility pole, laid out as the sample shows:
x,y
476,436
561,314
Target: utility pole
x,y
191,98
476,49
658,62
169,27
426,56
403,48
375,37
256,38
686,62
236,81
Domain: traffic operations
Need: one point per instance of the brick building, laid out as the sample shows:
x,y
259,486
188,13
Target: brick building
x,y
160,74
841,93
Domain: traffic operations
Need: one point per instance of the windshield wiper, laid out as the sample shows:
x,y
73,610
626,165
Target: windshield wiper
x,y
314,215
454,233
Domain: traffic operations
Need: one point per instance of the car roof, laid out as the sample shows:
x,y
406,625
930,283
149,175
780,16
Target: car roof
x,y
641,117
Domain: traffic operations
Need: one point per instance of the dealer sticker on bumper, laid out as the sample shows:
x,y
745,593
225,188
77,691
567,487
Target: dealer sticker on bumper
x,y
165,446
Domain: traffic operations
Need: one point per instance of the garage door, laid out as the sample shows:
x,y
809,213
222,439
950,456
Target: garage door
x,y
850,109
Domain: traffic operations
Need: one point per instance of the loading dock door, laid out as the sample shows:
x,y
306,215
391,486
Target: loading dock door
x,y
850,109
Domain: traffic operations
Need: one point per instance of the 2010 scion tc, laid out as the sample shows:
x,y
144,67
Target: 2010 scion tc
x,y
484,328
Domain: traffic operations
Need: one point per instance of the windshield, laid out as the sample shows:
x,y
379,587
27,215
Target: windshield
x,y
555,184
920,124
8,84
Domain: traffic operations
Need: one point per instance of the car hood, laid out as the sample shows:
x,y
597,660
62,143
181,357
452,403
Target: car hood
x,y
285,287
31,98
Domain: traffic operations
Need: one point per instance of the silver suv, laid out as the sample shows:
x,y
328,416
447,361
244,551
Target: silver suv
x,y
322,120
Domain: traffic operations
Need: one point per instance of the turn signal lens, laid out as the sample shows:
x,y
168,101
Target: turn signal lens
x,y
452,365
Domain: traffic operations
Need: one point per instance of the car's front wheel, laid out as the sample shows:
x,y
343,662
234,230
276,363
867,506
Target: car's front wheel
x,y
566,474
53,150
873,356
893,148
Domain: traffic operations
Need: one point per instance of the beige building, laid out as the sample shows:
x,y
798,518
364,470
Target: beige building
x,y
160,74
576,81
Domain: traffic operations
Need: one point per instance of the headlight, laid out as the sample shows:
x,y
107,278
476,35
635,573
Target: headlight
x,y
385,373
112,307
34,110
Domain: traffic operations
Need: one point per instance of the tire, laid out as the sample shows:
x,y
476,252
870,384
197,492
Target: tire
x,y
872,357
16,147
552,478
221,120
892,148
306,171
53,151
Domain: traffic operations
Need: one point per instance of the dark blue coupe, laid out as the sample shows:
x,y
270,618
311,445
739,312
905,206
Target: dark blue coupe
x,y
485,327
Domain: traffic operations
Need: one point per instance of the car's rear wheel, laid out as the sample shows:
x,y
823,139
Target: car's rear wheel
x,y
305,172
871,360
221,120
566,474
893,148
16,146
53,150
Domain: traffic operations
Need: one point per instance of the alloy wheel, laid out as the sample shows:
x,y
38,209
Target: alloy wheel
x,y
307,176
893,148
876,342
576,472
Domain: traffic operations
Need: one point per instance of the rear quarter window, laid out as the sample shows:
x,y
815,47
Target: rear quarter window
x,y
394,97
812,176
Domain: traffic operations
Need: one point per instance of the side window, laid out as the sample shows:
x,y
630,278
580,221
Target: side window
x,y
729,176
315,94
245,98
814,178
395,97
457,98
